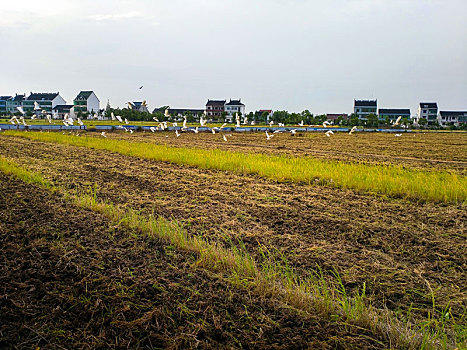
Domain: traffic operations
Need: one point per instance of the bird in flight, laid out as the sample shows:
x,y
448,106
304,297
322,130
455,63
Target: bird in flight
x,y
141,87
103,134
326,123
328,133
268,137
352,130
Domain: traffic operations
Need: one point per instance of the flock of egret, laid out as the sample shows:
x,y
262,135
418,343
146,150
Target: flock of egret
x,y
68,121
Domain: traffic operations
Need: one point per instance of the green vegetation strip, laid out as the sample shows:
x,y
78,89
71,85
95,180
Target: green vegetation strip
x,y
273,277
439,186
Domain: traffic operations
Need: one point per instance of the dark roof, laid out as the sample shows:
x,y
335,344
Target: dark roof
x,y
393,111
428,105
18,98
264,110
83,95
137,105
63,108
365,103
4,98
215,102
234,103
452,113
39,96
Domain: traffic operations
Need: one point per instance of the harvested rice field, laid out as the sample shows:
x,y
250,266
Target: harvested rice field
x,y
239,258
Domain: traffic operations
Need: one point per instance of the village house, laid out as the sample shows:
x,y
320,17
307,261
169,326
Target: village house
x,y
393,113
13,103
46,101
86,102
456,118
427,111
215,108
362,108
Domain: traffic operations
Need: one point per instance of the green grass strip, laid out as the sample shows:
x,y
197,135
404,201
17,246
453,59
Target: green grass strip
x,y
396,181
272,278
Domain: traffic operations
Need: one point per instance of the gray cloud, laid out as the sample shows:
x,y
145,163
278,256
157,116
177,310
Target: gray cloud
x,y
273,54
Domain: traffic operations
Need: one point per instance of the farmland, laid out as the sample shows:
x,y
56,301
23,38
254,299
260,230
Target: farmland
x,y
407,252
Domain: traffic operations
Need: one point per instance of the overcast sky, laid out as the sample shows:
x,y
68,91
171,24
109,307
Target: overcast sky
x,y
273,54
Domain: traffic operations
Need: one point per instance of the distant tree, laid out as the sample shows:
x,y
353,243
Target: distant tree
x,y
422,122
372,119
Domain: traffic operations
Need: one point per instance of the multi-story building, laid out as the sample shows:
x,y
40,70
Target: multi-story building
x,y
86,102
234,106
393,113
456,118
362,108
427,111
215,108
13,103
3,100
46,101
259,114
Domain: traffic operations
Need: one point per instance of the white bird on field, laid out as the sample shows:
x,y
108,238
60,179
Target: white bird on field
x,y
131,131
245,121
203,120
80,122
328,133
174,124
184,122
49,118
277,132
253,122
126,121
293,132
268,137
271,123
281,124
153,129
33,117
103,134
397,135
326,123
237,120
177,133
195,130
397,121
112,115
224,137
213,130
13,119
161,126
352,130
301,123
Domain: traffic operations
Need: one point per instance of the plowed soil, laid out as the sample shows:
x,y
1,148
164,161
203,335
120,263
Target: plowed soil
x,y
445,151
404,251
70,279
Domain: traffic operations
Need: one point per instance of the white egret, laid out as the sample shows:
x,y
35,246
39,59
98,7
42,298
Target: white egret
x,y
126,121
103,134
131,131
326,124
80,122
301,123
293,132
119,118
397,135
36,106
277,132
20,109
166,113
184,122
112,115
224,137
174,124
352,130
271,123
155,119
153,129
398,120
268,137
213,130
176,133
328,133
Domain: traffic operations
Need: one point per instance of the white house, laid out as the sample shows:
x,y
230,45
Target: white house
x,y
46,101
234,106
427,111
456,118
86,102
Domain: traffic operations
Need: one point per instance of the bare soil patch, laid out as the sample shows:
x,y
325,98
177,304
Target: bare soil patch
x,y
71,279
402,250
